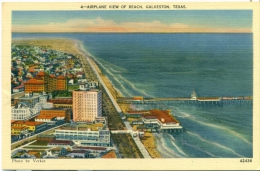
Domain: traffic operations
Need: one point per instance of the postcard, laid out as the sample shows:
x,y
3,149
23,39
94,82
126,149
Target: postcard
x,y
130,86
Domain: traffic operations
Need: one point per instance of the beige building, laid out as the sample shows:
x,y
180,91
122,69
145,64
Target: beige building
x,y
87,105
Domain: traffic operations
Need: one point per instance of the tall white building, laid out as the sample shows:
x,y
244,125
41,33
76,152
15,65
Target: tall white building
x,y
87,104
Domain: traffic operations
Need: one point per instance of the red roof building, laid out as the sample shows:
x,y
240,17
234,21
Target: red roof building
x,y
41,73
110,155
34,85
61,83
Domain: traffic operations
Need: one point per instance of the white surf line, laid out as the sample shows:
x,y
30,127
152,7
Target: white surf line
x,y
111,64
224,128
178,149
215,126
164,149
216,144
199,149
133,86
122,78
104,85
113,77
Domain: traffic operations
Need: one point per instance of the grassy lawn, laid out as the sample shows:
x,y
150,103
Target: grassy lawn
x,y
62,95
40,143
28,147
73,87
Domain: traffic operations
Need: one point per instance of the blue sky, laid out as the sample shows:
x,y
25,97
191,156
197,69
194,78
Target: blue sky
x,y
165,19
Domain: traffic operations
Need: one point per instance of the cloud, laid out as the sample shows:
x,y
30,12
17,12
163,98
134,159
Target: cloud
x,y
101,25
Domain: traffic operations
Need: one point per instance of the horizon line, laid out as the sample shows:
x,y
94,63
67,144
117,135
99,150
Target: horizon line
x,y
140,32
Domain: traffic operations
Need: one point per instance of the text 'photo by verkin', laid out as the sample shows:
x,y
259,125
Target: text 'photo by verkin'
x,y
130,86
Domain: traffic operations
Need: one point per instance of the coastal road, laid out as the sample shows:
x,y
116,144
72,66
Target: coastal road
x,y
118,109
17,149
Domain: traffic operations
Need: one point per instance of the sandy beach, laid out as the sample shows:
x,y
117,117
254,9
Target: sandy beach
x,y
149,142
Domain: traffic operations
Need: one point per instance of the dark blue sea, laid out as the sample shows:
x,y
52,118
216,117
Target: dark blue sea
x,y
173,65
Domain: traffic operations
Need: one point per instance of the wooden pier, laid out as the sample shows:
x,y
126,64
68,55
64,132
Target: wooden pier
x,y
200,101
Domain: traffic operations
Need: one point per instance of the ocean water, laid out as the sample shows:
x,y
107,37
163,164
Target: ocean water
x,y
172,65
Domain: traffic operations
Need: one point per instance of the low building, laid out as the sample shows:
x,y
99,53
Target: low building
x,y
36,153
47,105
60,143
32,126
18,89
209,99
79,154
45,137
138,98
136,114
19,130
61,102
85,134
50,120
21,111
63,152
56,114
109,155
160,120
28,97
91,149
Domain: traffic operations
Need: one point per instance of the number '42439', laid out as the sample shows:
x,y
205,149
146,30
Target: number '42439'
x,y
245,160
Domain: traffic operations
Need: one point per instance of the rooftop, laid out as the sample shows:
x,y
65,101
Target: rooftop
x,y
33,152
60,142
54,109
61,101
28,97
83,127
139,112
163,115
88,90
41,73
21,86
19,127
34,81
111,154
45,117
29,123
46,136
91,148
78,151
61,77
52,76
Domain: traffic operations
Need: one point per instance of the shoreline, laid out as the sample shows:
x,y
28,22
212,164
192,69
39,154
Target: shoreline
x,y
76,48
115,92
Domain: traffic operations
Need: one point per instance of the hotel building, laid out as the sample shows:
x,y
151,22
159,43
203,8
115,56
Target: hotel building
x,y
53,115
47,83
87,104
85,134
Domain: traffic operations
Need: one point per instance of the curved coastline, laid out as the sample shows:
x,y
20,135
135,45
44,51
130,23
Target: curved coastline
x,y
101,80
115,92
76,48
